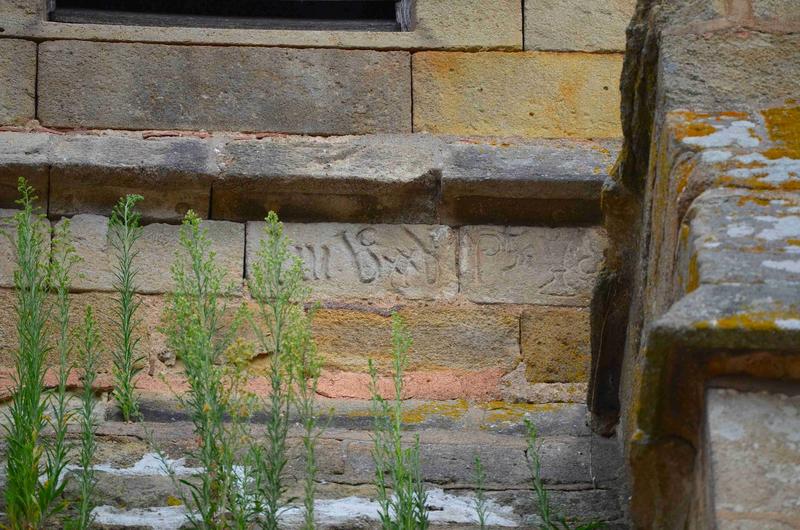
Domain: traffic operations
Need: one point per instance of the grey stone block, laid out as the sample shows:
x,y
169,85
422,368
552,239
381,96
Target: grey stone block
x,y
155,254
386,178
509,181
18,81
738,236
150,86
90,173
370,261
754,457
24,155
781,11
536,265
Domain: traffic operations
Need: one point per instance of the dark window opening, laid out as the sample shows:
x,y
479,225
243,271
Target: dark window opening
x,y
361,15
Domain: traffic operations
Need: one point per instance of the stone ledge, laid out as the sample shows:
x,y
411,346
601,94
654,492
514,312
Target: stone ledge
x,y
415,178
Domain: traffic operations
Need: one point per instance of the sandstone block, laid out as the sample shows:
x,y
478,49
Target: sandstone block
x,y
24,155
782,11
156,254
18,81
8,251
386,178
555,344
450,338
149,86
577,25
534,265
370,261
535,94
90,173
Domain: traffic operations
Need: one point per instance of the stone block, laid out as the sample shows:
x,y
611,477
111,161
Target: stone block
x,y
155,254
781,11
534,94
150,86
511,181
370,261
24,155
90,173
555,344
754,458
533,265
445,338
577,25
18,81
480,26
375,178
8,251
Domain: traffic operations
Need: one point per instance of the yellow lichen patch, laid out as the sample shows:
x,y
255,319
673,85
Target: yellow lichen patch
x,y
684,172
750,321
793,242
502,412
783,127
693,129
452,410
750,199
755,182
174,501
693,280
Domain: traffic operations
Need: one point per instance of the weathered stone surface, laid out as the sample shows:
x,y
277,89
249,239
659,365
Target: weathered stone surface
x,y
370,261
91,173
480,26
8,251
516,182
24,155
452,338
18,79
537,94
537,265
754,458
577,25
555,344
380,178
739,236
155,254
739,71
104,307
781,11
515,388
241,88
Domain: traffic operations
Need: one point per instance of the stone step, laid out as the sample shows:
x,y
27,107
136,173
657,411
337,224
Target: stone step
x,y
581,470
389,178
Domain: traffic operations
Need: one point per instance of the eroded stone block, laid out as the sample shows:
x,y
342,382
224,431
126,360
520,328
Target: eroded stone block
x,y
291,90
754,458
156,254
532,265
555,344
8,251
18,81
91,173
24,155
449,338
370,261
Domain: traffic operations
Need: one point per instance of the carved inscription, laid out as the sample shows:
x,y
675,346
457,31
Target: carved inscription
x,y
556,266
364,261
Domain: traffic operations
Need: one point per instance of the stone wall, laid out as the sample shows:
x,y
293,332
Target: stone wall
x,y
451,173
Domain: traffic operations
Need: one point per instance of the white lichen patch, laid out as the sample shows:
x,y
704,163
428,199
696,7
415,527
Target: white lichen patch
x,y
713,156
783,265
788,323
346,512
782,227
740,230
738,133
158,518
149,465
772,171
